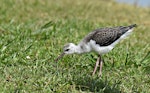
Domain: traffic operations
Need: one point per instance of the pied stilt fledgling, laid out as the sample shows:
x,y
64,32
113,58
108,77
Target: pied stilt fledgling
x,y
101,41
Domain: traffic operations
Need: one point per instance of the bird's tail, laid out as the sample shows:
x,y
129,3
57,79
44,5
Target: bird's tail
x,y
132,26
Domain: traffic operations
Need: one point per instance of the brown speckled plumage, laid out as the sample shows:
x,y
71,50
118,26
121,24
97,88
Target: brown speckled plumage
x,y
106,36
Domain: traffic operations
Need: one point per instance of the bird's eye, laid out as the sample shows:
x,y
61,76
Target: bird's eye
x,y
67,50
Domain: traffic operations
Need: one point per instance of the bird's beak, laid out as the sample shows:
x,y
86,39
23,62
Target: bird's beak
x,y
59,57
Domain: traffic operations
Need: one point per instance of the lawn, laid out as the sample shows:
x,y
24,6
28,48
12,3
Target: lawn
x,y
33,33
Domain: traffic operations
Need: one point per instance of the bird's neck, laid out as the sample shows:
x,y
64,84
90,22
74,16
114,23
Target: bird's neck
x,y
78,49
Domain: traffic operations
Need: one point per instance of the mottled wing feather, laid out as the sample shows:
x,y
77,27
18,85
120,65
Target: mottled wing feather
x,y
106,36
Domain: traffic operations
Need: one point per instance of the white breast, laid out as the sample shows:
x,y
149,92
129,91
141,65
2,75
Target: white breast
x,y
99,49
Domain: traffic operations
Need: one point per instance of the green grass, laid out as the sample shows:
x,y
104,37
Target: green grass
x,y
33,32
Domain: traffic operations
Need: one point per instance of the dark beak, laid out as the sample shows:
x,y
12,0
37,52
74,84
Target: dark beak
x,y
59,57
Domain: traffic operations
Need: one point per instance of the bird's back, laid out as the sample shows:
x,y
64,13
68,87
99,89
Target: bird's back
x,y
106,36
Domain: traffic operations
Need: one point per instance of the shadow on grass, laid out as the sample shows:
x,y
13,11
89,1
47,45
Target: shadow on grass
x,y
95,84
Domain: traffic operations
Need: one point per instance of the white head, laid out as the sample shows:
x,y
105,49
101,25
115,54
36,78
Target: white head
x,y
69,48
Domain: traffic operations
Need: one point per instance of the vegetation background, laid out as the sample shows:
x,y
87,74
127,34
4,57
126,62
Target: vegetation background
x,y
33,32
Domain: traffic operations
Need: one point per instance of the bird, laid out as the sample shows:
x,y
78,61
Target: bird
x,y
101,41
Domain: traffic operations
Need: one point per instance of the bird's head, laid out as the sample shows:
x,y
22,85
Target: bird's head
x,y
68,49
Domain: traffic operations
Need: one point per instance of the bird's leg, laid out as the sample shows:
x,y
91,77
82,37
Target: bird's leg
x,y
101,65
96,65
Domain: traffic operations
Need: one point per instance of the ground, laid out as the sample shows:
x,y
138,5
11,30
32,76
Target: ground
x,y
32,35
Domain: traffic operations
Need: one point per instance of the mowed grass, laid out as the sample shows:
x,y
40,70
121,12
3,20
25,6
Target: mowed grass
x,y
32,35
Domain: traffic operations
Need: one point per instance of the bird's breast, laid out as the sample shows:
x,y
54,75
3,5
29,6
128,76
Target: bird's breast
x,y
99,49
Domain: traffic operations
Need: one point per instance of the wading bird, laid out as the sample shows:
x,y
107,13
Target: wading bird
x,y
100,41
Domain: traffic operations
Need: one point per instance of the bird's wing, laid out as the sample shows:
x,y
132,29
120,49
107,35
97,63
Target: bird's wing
x,y
106,36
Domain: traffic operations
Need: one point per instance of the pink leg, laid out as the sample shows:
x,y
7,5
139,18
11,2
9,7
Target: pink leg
x,y
101,65
96,65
